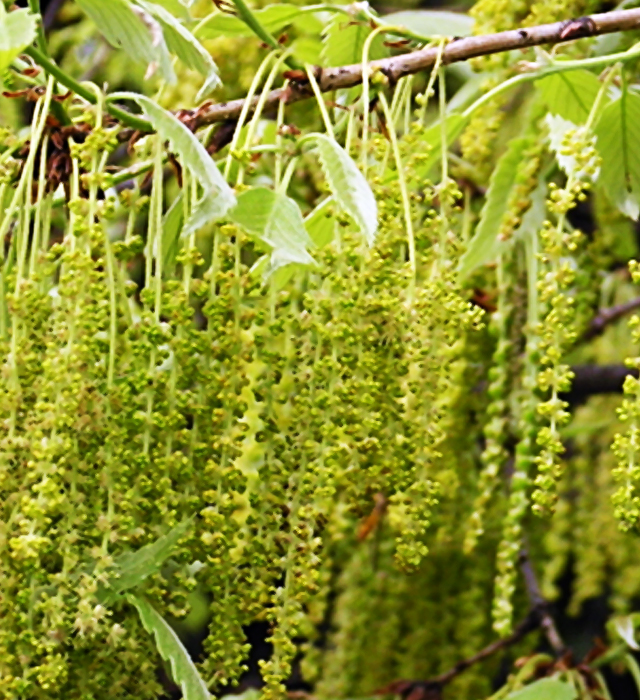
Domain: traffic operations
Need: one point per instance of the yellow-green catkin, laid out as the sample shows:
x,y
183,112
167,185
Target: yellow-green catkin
x,y
557,327
495,454
626,446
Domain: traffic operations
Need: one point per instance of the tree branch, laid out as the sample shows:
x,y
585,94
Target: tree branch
x,y
590,380
457,50
539,605
431,689
607,316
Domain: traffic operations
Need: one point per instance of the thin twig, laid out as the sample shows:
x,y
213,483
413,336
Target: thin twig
x,y
457,50
540,605
393,69
65,79
431,688
608,316
530,623
591,380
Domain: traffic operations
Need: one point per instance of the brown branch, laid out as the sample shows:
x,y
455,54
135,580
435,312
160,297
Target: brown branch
x,y
608,316
457,50
539,605
590,380
530,623
432,688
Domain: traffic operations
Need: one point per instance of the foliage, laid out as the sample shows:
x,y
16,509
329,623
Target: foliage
x,y
314,364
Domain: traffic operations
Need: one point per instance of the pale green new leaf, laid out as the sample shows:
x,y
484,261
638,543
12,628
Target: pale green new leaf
x,y
343,42
205,211
133,30
348,185
545,689
618,142
483,247
132,568
182,142
273,18
171,649
430,23
276,220
176,7
570,94
321,223
17,31
249,694
625,627
182,43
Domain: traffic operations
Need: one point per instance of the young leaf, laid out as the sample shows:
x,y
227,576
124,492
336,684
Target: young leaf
x,y
545,689
321,224
205,211
17,31
250,694
618,142
570,95
170,648
133,30
182,43
276,220
343,41
192,153
274,18
349,187
176,7
132,568
430,23
484,246
626,629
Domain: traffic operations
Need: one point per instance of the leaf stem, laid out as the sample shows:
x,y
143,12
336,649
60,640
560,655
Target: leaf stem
x,y
247,16
72,84
557,67
34,6
319,99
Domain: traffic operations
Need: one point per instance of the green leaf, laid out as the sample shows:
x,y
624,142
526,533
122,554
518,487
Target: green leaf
x,y
205,211
430,23
249,694
343,42
307,49
570,94
132,29
276,220
484,245
349,187
321,224
192,153
175,7
625,628
273,18
618,142
17,31
545,689
132,568
182,43
170,648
